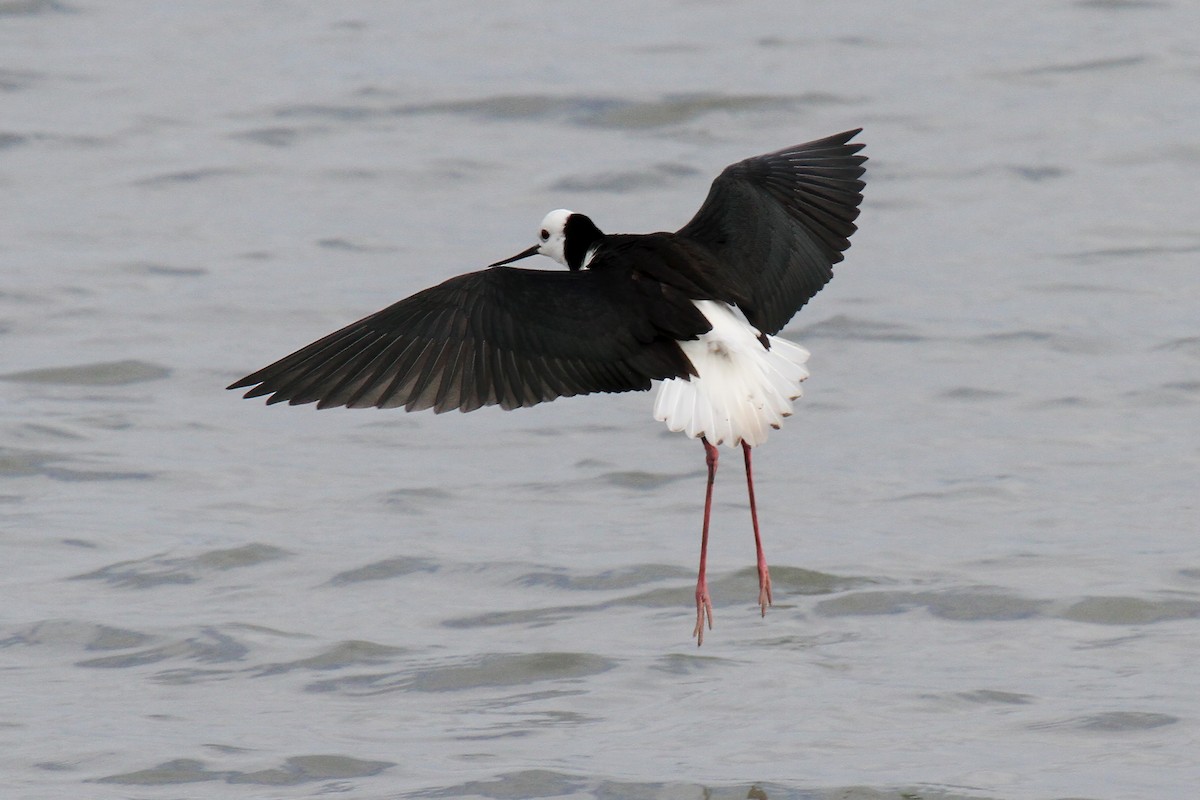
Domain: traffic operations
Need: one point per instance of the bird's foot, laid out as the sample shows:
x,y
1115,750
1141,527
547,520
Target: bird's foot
x,y
764,588
703,610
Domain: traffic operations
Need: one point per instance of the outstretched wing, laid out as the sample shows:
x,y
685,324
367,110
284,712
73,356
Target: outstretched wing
x,y
507,336
779,222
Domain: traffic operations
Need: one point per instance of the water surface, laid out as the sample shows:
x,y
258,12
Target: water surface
x,y
982,520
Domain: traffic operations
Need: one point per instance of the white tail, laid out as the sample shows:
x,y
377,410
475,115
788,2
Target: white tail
x,y
742,389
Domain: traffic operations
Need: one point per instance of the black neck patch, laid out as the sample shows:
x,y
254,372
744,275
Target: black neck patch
x,y
580,235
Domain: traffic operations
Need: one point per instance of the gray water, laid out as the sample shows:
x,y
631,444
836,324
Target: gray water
x,y
982,520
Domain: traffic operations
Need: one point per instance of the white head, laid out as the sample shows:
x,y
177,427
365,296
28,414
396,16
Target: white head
x,y
570,239
552,238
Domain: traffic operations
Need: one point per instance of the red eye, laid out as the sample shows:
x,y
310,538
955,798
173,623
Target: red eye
x,y
545,234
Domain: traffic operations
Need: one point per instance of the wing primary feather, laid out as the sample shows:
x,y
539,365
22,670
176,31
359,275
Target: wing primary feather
x,y
300,384
499,380
424,388
394,393
408,392
287,370
512,377
481,377
367,391
363,373
450,392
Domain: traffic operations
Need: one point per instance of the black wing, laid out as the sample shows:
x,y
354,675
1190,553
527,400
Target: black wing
x,y
781,221
510,336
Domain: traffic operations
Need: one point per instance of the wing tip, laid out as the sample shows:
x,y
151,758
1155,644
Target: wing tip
x,y
838,143
241,383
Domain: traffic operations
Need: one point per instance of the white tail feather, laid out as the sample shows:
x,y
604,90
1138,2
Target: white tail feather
x,y
741,389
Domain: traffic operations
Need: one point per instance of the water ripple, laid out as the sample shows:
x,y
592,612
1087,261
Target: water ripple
x,y
1111,722
33,8
104,373
210,646
23,463
584,111
157,570
986,603
488,671
293,771
654,175
352,653
88,635
548,783
843,328
383,570
1091,65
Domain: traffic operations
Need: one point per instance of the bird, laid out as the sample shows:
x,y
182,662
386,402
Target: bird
x,y
696,311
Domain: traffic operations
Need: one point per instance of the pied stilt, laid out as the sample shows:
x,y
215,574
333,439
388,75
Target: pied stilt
x,y
696,309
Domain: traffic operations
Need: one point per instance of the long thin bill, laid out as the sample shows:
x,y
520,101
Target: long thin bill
x,y
523,254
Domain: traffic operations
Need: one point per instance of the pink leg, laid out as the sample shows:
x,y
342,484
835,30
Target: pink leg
x,y
703,602
764,577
